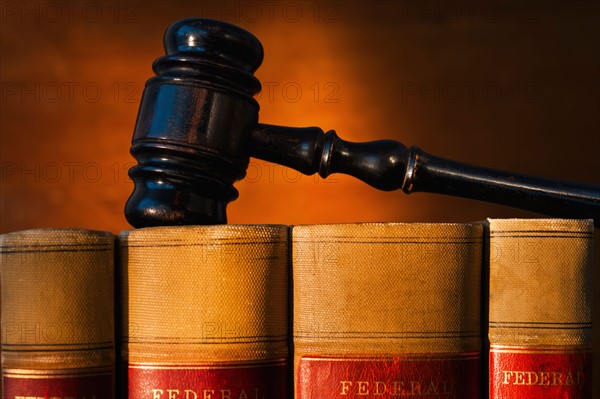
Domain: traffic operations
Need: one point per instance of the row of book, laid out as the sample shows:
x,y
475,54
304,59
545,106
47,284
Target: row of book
x,y
366,310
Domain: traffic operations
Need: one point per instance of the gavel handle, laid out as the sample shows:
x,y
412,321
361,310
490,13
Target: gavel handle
x,y
389,165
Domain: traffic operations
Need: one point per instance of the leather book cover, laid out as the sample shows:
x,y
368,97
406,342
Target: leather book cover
x,y
57,290
540,308
387,310
205,311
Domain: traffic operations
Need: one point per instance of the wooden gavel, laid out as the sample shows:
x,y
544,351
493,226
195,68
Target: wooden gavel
x,y
198,126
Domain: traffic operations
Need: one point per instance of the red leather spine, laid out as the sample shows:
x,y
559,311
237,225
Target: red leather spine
x,y
424,376
256,381
540,374
39,385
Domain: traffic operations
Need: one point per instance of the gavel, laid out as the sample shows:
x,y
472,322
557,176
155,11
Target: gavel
x,y
197,128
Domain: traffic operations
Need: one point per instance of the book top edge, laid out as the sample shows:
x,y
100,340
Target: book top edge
x,y
213,227
540,224
371,231
383,224
59,230
55,236
260,232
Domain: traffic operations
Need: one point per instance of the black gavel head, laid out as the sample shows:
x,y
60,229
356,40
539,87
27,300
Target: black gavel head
x,y
193,125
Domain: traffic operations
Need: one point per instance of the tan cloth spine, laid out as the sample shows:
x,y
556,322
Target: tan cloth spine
x,y
57,290
540,282
386,289
205,294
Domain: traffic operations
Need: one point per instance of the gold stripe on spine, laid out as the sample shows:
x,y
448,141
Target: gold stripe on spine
x,y
386,289
540,283
53,374
426,357
211,366
204,294
57,301
547,351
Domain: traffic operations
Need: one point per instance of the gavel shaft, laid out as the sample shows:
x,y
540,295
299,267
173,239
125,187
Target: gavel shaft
x,y
198,126
389,165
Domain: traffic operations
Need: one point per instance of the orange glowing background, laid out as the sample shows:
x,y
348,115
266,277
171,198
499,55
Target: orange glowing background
x,y
511,85
507,85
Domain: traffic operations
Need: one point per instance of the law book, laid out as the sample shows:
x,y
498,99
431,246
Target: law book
x,y
387,310
205,312
540,308
57,318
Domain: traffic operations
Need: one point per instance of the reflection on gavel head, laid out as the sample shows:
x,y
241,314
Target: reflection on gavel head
x,y
198,125
193,126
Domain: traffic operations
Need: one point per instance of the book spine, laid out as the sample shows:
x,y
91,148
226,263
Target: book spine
x,y
540,307
205,311
387,310
57,314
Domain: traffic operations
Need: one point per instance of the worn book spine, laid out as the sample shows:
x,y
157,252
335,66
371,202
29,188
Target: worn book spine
x,y
205,311
387,310
57,315
540,318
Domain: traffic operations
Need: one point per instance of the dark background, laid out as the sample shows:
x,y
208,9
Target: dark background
x,y
511,85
